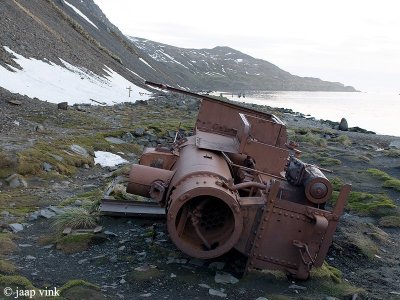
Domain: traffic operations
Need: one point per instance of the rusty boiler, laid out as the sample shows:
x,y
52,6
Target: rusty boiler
x,y
236,184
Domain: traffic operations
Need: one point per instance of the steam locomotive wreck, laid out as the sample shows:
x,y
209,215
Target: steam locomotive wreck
x,y
236,184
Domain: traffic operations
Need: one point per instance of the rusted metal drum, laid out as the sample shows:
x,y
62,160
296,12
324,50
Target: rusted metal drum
x,y
204,218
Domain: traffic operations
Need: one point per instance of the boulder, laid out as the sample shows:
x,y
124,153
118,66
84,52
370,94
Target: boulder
x,y
139,131
79,150
62,105
343,126
395,144
16,181
128,137
16,227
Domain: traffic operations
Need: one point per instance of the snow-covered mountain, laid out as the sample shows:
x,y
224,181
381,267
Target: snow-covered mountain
x,y
67,50
224,68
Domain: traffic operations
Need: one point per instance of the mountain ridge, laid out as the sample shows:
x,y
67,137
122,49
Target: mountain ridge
x,y
79,33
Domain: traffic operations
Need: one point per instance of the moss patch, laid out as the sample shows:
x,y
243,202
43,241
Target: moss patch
x,y
7,246
6,267
15,281
149,275
74,243
25,202
327,272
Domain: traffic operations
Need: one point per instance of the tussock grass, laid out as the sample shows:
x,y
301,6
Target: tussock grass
x,y
389,181
370,204
342,139
390,221
76,218
395,153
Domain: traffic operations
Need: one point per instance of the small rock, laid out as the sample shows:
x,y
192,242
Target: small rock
x,y
146,295
110,233
297,287
33,216
16,123
330,298
16,181
122,281
47,167
172,275
114,140
5,213
48,246
57,157
122,248
16,227
395,144
217,293
261,298
30,257
139,131
217,265
79,150
225,278
78,202
82,261
343,126
47,214
56,210
113,259
24,245
196,262
143,268
39,128
128,137
203,285
62,105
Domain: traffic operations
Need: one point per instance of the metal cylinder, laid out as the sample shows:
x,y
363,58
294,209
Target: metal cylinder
x,y
204,218
143,179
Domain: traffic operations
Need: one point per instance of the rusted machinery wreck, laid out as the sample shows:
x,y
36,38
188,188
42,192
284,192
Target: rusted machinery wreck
x,y
237,183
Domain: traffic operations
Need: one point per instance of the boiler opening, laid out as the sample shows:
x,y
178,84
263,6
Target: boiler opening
x,y
205,223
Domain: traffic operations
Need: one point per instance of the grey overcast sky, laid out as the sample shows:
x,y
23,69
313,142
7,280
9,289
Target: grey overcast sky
x,y
356,42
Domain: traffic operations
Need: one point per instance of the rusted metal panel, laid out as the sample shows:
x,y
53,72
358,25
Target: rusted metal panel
x,y
131,208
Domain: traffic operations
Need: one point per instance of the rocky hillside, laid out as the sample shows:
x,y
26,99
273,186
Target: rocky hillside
x,y
77,36
224,68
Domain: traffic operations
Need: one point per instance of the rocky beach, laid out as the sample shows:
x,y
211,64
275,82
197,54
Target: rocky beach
x,y
49,181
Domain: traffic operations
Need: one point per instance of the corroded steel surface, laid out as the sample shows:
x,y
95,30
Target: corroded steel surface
x,y
236,183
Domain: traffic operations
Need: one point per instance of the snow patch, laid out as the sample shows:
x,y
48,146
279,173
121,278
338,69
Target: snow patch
x,y
146,63
81,14
239,60
108,159
54,83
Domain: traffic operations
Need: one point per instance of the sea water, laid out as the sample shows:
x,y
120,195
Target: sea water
x,y
378,112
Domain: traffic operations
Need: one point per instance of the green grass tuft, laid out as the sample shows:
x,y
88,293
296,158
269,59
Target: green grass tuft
x,y
76,218
379,174
389,181
370,204
77,282
390,221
